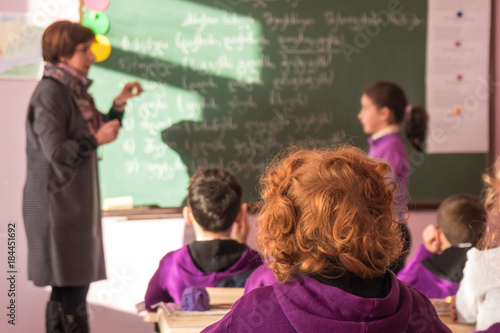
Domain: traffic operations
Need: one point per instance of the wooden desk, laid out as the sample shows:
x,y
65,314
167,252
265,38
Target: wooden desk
x,y
221,301
220,296
454,327
442,307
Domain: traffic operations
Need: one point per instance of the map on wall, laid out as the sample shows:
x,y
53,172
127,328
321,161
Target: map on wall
x,y
20,51
21,35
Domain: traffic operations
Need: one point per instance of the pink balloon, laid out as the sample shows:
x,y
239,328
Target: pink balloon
x,y
96,5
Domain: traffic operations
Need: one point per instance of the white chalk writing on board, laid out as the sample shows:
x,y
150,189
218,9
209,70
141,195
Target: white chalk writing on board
x,y
148,46
311,82
381,18
263,3
240,106
282,23
305,65
236,81
202,20
200,85
205,148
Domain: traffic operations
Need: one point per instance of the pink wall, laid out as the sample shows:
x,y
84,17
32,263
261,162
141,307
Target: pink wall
x,y
14,6
15,97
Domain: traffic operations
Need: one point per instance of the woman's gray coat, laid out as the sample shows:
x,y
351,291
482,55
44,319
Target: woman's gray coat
x,y
61,204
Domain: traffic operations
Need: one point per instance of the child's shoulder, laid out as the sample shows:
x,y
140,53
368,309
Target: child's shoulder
x,y
391,139
475,253
175,253
479,261
252,251
388,145
252,257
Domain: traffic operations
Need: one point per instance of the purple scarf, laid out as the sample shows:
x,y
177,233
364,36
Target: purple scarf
x,y
78,84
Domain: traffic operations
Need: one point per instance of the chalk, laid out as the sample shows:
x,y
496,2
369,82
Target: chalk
x,y
118,203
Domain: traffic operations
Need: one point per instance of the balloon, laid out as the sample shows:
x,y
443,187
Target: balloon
x,y
98,22
101,48
96,5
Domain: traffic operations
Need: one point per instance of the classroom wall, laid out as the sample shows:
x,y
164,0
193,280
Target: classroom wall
x,y
133,248
124,286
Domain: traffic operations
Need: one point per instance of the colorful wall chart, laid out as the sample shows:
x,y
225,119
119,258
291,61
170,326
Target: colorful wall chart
x,y
457,79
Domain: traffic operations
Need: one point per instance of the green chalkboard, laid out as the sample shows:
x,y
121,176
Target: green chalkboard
x,y
232,82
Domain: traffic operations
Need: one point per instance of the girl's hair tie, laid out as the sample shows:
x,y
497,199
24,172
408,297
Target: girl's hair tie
x,y
408,108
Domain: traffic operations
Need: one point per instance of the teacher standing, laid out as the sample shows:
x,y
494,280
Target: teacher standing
x,y
61,204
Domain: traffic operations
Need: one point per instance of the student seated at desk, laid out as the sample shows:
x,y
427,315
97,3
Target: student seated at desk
x,y
214,208
436,269
478,297
328,231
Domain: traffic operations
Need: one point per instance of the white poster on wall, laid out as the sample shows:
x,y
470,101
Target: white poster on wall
x,y
21,34
457,78
20,51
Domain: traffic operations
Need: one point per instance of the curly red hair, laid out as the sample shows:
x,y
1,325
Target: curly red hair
x,y
491,180
492,188
328,211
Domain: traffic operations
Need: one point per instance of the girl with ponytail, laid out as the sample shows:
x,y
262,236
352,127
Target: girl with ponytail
x,y
385,111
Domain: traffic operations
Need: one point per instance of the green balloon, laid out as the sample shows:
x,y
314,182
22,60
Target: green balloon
x,y
98,22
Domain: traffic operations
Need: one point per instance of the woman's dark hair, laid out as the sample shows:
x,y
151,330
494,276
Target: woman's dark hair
x,y
390,95
214,196
61,38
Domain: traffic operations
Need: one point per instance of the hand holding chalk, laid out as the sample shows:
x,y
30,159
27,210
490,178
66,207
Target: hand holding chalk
x,y
130,89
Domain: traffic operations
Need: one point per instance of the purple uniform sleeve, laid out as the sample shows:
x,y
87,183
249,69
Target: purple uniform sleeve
x,y
411,272
156,292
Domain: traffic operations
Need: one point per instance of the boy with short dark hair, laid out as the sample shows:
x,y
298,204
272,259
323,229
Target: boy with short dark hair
x,y
436,269
215,211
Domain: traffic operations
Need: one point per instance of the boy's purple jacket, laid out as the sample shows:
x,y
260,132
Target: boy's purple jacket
x,y
417,275
306,305
177,271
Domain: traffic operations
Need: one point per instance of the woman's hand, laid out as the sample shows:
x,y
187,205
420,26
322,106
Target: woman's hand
x,y
130,89
107,132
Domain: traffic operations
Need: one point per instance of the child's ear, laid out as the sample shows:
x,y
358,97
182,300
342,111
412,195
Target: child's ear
x,y
186,213
240,214
386,113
